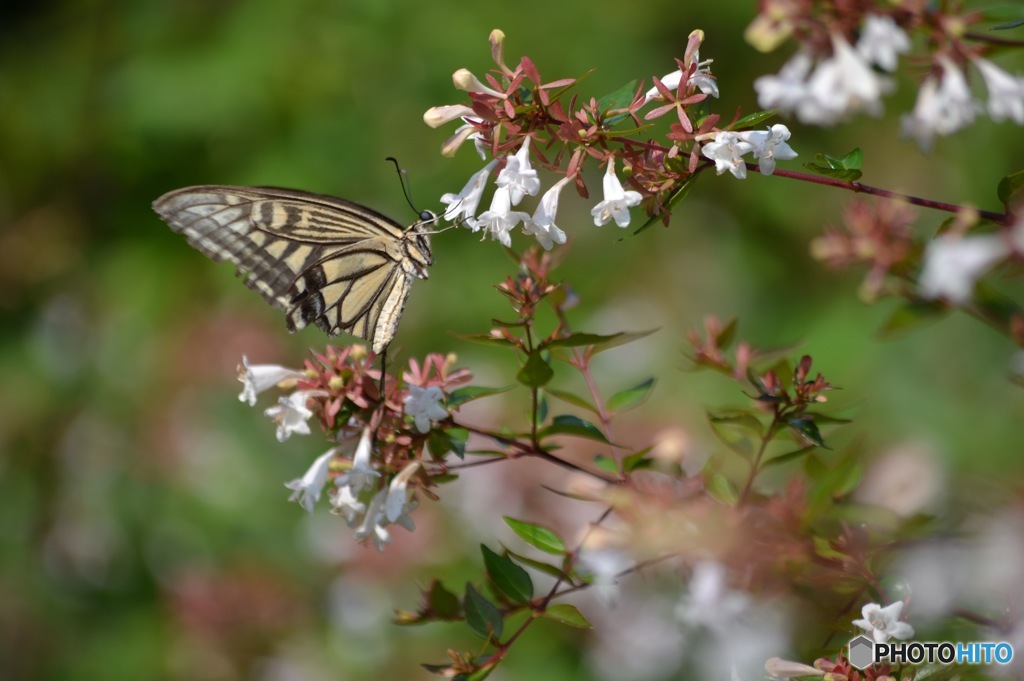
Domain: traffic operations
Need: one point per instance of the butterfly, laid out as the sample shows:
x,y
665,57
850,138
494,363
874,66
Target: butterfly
x,y
326,261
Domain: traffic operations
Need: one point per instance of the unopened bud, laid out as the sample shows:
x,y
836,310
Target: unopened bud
x,y
437,116
464,80
497,40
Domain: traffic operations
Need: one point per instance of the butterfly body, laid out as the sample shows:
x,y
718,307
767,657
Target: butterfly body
x,y
324,261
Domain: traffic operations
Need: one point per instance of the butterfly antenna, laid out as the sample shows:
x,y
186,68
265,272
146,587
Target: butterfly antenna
x,y
403,177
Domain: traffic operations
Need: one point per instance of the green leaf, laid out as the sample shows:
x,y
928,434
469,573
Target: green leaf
x,y
571,398
736,442
744,420
569,615
509,578
720,488
599,342
637,461
620,99
1010,188
482,617
457,438
754,119
824,418
912,315
606,464
438,444
484,339
852,161
537,536
441,602
631,397
846,168
679,193
1008,25
536,372
540,566
469,393
542,409
788,456
567,424
808,429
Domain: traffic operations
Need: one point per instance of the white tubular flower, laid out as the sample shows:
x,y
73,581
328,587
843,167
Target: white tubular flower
x,y
542,224
769,146
604,564
952,265
617,201
941,108
923,122
670,81
361,475
306,490
883,623
467,82
290,413
958,107
374,522
463,133
399,502
518,177
1005,92
499,220
840,86
259,377
345,504
701,79
424,405
464,204
786,90
711,603
437,116
727,152
882,41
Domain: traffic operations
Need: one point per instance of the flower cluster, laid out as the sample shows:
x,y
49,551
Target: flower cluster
x,y
379,460
728,149
522,123
831,89
831,78
877,234
945,104
946,268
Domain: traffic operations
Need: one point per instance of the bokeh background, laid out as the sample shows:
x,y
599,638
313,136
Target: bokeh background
x,y
144,529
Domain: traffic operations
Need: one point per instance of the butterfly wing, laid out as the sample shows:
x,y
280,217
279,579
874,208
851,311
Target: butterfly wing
x,y
322,260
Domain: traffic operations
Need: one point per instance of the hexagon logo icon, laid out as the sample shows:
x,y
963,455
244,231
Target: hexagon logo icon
x,y
861,652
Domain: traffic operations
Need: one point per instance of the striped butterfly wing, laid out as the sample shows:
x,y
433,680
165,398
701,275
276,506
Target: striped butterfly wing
x,y
324,261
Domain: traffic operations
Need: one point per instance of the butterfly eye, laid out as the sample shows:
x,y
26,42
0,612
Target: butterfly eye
x,y
427,216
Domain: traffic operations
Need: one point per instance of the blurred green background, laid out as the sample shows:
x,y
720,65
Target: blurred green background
x,y
144,532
